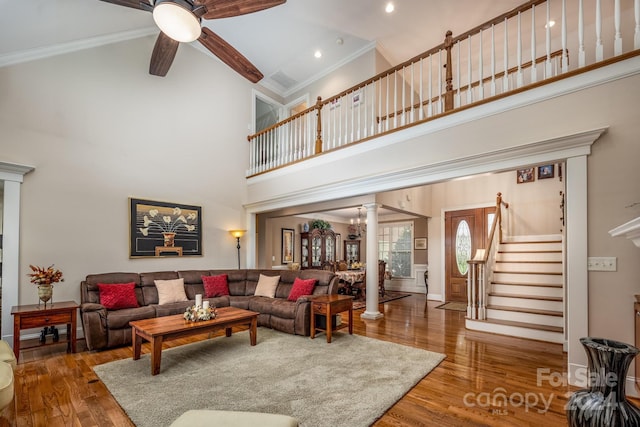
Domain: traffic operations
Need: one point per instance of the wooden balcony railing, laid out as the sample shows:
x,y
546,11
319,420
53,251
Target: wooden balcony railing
x,y
509,53
481,265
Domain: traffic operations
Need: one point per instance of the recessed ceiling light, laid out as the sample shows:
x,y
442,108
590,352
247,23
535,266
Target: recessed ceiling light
x,y
389,8
550,24
317,54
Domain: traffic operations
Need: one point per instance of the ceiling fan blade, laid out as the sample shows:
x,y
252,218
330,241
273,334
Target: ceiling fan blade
x,y
163,53
229,55
136,4
228,8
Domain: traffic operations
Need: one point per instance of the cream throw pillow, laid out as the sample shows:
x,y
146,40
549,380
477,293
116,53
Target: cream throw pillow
x,y
170,291
267,286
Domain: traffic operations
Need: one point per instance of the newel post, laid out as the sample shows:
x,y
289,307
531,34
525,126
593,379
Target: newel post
x,y
448,95
319,127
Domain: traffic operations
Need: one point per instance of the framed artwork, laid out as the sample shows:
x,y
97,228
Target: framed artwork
x,y
287,245
357,97
335,103
545,171
161,229
420,243
526,175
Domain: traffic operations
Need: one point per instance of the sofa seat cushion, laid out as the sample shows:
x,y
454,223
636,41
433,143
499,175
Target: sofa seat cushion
x,y
119,319
240,301
172,308
276,307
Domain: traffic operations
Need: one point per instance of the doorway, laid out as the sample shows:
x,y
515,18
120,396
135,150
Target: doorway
x,y
465,232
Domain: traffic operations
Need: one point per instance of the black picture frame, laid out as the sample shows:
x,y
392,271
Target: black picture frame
x,y
287,253
545,171
525,175
164,229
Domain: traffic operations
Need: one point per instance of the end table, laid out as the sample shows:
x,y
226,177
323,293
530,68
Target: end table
x,y
36,316
328,305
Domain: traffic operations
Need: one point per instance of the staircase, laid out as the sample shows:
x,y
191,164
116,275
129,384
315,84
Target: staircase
x,y
525,296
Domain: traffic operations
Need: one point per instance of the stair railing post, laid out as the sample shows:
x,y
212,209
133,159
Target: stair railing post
x,y
448,95
319,126
471,291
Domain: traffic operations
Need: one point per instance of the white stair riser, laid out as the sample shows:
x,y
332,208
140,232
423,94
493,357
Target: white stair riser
x,y
527,290
515,331
530,247
536,319
535,238
529,256
544,267
525,303
549,279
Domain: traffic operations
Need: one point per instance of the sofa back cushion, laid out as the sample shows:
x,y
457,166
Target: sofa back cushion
x,y
148,284
90,292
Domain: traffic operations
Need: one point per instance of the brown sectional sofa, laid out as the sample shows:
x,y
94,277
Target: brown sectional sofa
x,y
110,328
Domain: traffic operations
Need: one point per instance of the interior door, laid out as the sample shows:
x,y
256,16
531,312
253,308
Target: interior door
x,y
465,232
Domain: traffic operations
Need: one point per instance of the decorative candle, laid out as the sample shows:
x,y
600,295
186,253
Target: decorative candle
x,y
205,304
198,300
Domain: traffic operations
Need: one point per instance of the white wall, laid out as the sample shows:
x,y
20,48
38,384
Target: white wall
x,y
99,129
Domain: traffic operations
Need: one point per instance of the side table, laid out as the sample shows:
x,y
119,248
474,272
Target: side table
x,y
36,316
328,305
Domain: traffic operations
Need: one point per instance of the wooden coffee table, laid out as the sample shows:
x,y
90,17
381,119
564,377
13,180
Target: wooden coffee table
x,y
160,329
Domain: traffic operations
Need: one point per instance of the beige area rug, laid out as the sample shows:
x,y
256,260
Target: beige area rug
x,y
350,382
456,306
388,296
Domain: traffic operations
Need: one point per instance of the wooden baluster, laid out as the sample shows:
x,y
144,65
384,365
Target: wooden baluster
x,y
448,97
519,76
458,91
440,101
430,108
565,57
493,61
395,99
403,103
548,69
636,36
505,77
469,92
411,117
599,47
480,70
617,46
319,126
534,72
421,97
581,53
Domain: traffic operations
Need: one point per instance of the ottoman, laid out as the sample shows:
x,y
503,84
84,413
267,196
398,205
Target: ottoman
x,y
207,418
6,354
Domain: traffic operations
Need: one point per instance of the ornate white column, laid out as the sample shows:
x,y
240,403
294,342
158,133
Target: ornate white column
x,y
371,311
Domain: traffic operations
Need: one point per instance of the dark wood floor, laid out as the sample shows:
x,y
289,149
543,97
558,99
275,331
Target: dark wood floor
x,y
485,379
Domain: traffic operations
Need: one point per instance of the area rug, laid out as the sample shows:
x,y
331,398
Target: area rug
x,y
388,296
456,306
350,382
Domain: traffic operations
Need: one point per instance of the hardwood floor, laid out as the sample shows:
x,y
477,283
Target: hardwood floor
x,y
484,380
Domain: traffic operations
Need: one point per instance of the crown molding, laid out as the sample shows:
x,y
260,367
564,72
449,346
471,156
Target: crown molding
x,y
73,46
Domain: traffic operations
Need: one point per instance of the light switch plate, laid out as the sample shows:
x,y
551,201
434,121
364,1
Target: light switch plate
x,y
602,264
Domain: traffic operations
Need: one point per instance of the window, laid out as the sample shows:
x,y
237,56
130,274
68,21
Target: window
x,y
395,248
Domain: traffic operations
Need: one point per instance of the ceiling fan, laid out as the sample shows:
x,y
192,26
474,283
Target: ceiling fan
x,y
179,21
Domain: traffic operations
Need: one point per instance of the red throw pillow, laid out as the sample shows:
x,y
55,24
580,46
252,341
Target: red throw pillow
x,y
115,296
301,287
215,286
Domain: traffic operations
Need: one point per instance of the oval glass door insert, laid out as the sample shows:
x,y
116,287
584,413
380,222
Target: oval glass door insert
x,y
463,247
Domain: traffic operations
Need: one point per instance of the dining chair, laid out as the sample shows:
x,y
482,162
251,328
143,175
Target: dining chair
x,y
382,267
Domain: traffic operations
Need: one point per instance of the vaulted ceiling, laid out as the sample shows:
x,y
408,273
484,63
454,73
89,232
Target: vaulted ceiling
x,y
280,41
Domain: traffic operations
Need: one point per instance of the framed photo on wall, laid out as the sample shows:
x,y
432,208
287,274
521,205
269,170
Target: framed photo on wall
x,y
162,229
545,171
525,175
287,245
420,243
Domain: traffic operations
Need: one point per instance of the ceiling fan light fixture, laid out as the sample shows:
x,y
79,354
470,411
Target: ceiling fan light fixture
x,y
176,19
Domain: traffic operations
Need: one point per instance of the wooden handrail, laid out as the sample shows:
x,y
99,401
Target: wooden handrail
x,y
555,54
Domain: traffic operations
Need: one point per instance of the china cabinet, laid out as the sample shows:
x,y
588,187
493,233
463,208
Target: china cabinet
x,y
352,251
317,247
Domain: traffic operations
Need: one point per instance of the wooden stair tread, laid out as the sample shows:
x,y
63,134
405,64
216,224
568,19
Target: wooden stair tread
x,y
500,251
547,285
529,272
525,310
534,297
526,325
528,242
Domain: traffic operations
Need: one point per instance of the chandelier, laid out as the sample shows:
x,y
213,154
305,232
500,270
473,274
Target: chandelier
x,y
357,226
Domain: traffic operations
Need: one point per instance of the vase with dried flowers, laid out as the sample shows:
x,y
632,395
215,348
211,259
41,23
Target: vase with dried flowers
x,y
44,278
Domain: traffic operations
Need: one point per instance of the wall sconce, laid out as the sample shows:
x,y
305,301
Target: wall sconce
x,y
238,234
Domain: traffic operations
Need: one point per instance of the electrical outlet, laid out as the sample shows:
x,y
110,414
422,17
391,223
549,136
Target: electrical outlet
x,y
602,264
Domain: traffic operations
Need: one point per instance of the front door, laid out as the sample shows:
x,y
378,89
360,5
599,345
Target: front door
x,y
465,232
